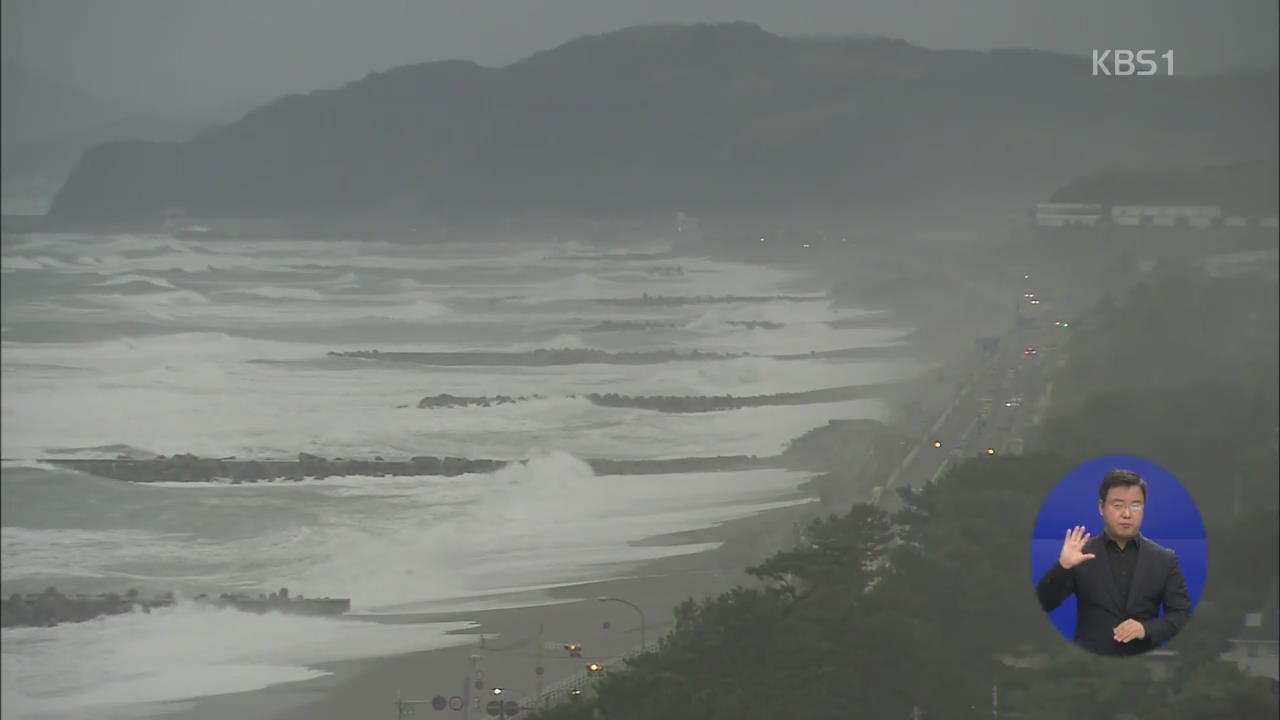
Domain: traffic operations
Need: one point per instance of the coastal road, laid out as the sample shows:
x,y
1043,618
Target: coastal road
x,y
993,408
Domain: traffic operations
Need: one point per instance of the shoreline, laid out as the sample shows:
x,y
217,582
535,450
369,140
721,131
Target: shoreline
x,y
357,688
569,613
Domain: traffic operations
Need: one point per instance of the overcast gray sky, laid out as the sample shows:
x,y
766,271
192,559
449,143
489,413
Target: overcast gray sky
x,y
191,54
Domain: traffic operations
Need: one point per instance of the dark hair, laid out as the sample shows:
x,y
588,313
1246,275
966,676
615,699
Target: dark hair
x,y
1121,478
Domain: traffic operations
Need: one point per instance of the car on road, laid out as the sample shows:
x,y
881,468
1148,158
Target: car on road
x,y
1030,351
1013,402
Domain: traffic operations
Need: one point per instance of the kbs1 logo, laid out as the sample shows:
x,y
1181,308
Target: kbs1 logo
x,y
1122,63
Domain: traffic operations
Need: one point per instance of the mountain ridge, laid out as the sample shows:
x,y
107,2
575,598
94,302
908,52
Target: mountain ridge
x,y
715,119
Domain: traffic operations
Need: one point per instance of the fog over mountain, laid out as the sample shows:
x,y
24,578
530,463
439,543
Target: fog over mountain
x,y
48,124
188,56
714,119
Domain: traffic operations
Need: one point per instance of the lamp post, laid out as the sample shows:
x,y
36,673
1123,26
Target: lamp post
x,y
502,708
643,643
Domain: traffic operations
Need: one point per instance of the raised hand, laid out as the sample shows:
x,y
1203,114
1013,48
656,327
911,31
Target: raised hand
x,y
1073,548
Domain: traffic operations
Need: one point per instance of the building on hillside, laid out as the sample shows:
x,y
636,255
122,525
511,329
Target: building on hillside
x,y
1060,214
1193,215
1256,650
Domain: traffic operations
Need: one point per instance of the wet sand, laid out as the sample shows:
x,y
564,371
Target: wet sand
x,y
509,652
359,689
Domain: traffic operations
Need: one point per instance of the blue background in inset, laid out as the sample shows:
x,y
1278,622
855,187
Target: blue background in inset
x,y
1171,519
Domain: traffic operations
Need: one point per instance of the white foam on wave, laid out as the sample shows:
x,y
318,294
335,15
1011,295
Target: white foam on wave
x,y
131,278
84,556
538,523
113,254
298,307
384,542
156,351
15,263
118,663
216,408
195,392
739,376
279,293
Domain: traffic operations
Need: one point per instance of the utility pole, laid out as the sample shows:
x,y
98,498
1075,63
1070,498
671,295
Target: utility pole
x,y
995,702
466,688
538,669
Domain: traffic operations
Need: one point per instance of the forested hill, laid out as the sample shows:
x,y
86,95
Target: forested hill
x,y
716,120
1249,188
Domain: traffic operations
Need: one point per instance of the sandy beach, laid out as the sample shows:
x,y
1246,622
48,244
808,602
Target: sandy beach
x,y
381,540
509,651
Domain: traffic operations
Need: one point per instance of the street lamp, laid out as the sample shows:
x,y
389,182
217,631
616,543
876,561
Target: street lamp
x,y
643,643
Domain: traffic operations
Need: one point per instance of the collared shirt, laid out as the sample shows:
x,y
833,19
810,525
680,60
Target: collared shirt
x,y
1123,561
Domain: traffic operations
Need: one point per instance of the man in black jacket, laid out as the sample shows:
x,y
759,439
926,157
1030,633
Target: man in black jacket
x,y
1120,579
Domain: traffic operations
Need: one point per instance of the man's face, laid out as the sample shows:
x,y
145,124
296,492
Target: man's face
x,y
1122,511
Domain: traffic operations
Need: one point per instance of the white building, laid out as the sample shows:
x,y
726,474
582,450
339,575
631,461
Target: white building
x,y
1194,215
1060,214
1256,650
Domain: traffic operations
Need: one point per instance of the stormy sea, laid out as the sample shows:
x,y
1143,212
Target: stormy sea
x,y
140,346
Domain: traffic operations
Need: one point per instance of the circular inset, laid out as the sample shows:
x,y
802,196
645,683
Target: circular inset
x,y
1119,555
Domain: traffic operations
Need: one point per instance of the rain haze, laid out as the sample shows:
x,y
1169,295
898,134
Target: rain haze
x,y
193,56
564,359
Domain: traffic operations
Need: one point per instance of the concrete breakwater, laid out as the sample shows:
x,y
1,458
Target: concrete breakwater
x,y
674,403
629,326
676,300
278,602
445,400
536,358
570,356
712,403
52,607
821,448
189,468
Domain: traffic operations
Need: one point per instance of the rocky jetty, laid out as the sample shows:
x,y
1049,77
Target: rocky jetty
x,y
445,400
701,403
757,324
537,358
718,463
583,356
676,300
189,468
629,326
52,607
863,322
673,403
278,602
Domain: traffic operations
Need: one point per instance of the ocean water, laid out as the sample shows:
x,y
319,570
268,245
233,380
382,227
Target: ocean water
x,y
151,344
